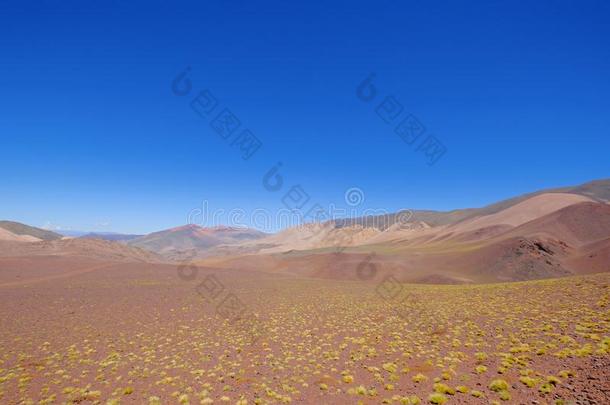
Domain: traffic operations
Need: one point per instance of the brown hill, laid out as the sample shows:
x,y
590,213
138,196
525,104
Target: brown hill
x,y
522,212
95,249
9,236
592,258
193,239
597,190
549,235
576,225
25,232
314,236
380,229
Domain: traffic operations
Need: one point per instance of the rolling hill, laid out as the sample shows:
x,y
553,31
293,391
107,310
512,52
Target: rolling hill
x,y
193,240
546,234
26,232
86,249
110,236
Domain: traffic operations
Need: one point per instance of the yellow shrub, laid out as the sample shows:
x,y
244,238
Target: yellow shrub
x,y
545,388
419,378
475,393
498,385
348,379
443,389
530,382
390,367
437,398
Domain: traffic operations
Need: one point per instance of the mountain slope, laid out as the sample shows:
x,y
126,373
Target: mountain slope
x,y
522,212
192,237
592,258
110,236
546,235
20,229
597,190
9,236
95,249
576,225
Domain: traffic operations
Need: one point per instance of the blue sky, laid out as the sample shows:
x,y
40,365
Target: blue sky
x,y
93,137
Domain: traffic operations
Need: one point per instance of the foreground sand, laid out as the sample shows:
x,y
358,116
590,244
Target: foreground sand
x,y
89,332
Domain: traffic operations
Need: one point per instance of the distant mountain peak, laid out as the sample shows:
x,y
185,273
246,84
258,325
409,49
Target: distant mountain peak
x,y
191,236
188,227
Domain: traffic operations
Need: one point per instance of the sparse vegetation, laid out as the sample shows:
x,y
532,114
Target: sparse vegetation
x,y
319,342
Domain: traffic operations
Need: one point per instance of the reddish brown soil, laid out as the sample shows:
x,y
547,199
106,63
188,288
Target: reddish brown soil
x,y
87,249
128,332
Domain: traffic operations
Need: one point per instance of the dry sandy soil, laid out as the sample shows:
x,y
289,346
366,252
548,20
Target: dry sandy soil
x,y
83,331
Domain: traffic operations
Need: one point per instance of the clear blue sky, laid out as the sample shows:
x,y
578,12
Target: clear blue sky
x,y
93,138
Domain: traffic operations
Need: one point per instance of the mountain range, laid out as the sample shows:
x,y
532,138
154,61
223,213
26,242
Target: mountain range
x,y
543,234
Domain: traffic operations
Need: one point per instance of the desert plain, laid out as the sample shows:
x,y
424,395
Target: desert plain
x,y
508,303
141,333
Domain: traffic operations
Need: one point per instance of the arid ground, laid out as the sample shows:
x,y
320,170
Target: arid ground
x,y
76,331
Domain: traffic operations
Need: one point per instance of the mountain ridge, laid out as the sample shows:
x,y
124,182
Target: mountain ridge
x,y
543,234
17,228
